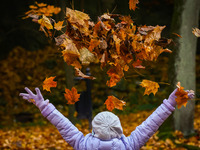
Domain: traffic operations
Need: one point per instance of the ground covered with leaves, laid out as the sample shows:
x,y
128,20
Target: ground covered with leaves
x,y
47,136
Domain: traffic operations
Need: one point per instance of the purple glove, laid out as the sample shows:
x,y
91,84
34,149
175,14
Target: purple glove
x,y
38,98
172,96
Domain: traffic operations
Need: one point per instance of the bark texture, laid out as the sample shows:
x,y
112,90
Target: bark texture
x,y
185,17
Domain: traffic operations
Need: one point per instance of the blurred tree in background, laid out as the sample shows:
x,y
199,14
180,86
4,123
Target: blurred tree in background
x,y
185,17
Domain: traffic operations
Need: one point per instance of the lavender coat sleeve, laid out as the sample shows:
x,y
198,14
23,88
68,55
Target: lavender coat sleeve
x,y
68,131
144,131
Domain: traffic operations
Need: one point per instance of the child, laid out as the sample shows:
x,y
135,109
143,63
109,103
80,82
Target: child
x,y
107,133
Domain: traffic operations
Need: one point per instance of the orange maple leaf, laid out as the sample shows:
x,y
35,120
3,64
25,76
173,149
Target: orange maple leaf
x,y
182,96
150,86
132,4
59,25
48,83
93,43
113,102
71,96
115,74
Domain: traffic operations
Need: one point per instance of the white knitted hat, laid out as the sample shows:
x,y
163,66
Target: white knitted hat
x,y
106,126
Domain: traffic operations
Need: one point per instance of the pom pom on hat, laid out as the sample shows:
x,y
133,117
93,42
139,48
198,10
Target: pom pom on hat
x,y
106,126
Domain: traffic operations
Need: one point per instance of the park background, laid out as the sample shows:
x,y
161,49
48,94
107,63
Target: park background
x,y
27,57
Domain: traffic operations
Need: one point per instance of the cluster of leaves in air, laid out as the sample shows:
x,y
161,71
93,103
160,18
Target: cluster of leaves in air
x,y
42,9
116,45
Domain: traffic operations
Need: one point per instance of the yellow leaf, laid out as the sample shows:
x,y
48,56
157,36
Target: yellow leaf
x,y
150,86
45,22
58,26
86,57
70,53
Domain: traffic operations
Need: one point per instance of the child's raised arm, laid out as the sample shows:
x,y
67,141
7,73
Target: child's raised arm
x,y
68,131
144,131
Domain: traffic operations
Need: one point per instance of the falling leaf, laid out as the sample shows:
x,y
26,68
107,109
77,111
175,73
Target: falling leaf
x,y
117,43
96,29
154,34
79,20
115,74
182,96
61,39
42,9
70,53
41,4
71,96
79,73
33,7
132,4
150,86
137,64
48,83
76,17
113,102
58,26
177,35
86,57
93,43
103,60
45,22
71,59
163,42
196,32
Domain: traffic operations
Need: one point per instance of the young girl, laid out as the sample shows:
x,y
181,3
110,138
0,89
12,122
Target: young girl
x,y
107,133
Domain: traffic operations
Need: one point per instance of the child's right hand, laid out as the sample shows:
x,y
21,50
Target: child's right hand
x,y
37,98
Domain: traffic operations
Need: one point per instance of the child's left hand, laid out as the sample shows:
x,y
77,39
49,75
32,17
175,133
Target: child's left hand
x,y
37,98
172,96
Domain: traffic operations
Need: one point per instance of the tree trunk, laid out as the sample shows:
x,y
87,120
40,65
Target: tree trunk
x,y
185,18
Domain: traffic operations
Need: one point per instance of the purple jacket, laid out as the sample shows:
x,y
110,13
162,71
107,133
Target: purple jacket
x,y
133,142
